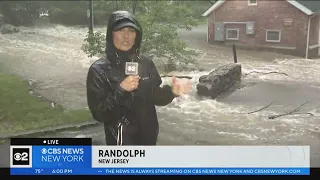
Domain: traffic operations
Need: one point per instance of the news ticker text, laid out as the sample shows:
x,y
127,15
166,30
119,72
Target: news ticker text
x,y
161,171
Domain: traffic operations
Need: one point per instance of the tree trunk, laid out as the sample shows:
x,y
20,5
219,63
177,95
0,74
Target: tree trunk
x,y
134,6
117,2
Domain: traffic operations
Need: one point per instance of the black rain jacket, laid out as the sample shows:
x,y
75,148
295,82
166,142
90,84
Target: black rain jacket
x,y
129,118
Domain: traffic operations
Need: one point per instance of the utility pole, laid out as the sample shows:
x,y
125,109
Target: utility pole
x,y
90,16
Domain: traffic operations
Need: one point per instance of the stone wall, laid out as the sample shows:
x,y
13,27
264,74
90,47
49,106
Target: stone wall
x,y
219,80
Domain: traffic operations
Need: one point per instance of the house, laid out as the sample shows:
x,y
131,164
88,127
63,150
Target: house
x,y
290,25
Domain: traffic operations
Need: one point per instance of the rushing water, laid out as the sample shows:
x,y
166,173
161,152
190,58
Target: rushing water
x,y
52,56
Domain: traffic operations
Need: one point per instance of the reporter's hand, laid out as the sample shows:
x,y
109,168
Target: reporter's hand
x,y
130,83
179,88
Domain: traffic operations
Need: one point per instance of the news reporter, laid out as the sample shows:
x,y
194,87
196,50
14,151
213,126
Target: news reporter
x,y
126,103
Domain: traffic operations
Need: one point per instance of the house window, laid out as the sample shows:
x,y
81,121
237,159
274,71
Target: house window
x,y
232,34
273,35
252,2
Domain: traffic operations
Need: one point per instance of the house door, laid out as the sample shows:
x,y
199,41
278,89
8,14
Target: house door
x,y
218,31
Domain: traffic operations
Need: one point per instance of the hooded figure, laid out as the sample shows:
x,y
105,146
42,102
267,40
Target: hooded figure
x,y
126,104
118,20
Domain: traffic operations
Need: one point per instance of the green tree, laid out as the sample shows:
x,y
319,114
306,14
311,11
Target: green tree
x,y
19,13
160,21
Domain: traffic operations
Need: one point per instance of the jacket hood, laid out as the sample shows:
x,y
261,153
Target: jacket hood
x,y
113,53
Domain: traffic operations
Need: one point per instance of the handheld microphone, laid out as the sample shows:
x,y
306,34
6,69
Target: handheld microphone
x,y
131,68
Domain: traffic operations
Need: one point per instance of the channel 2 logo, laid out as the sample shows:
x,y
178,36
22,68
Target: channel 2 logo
x,y
131,68
21,157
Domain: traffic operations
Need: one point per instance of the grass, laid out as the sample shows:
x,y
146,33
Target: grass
x,y
21,111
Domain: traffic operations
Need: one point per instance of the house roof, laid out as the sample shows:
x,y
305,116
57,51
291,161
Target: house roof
x,y
308,7
213,7
314,5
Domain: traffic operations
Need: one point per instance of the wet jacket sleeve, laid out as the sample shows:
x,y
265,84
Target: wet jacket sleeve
x,y
104,100
161,95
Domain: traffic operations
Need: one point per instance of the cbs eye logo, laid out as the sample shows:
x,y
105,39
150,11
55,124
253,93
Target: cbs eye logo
x,y
20,156
132,68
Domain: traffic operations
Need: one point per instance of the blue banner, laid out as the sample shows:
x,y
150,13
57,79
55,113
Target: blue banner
x,y
61,157
160,171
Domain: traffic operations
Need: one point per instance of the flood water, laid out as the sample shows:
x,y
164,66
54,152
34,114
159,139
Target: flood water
x,y
52,57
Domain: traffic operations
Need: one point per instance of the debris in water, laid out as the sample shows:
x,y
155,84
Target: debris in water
x,y
53,104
